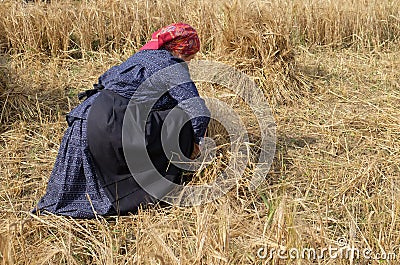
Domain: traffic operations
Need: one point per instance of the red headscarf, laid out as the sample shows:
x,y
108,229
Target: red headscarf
x,y
178,37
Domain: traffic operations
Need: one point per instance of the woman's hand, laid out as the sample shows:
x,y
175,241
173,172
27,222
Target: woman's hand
x,y
196,151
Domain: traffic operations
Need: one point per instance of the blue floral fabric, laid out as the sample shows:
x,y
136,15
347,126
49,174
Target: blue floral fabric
x,y
73,188
125,79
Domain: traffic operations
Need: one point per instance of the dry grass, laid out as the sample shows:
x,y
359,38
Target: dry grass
x,y
253,30
336,170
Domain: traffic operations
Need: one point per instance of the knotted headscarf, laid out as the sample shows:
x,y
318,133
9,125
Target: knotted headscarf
x,y
177,37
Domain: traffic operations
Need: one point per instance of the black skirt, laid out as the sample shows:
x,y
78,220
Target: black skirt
x,y
111,153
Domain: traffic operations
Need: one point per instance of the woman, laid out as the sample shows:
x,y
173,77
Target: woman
x,y
91,173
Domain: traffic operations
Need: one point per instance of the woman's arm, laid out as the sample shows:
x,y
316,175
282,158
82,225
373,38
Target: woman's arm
x,y
189,100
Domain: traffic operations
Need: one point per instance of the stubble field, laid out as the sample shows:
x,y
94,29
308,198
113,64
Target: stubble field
x,y
330,72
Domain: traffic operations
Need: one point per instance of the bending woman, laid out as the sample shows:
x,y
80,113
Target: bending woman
x,y
92,174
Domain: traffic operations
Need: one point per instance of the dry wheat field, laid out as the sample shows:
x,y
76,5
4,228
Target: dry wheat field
x,y
330,72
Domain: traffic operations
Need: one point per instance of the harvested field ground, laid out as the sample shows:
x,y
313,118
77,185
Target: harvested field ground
x,y
335,180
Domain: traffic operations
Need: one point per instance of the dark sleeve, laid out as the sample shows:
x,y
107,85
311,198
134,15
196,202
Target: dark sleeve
x,y
189,100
